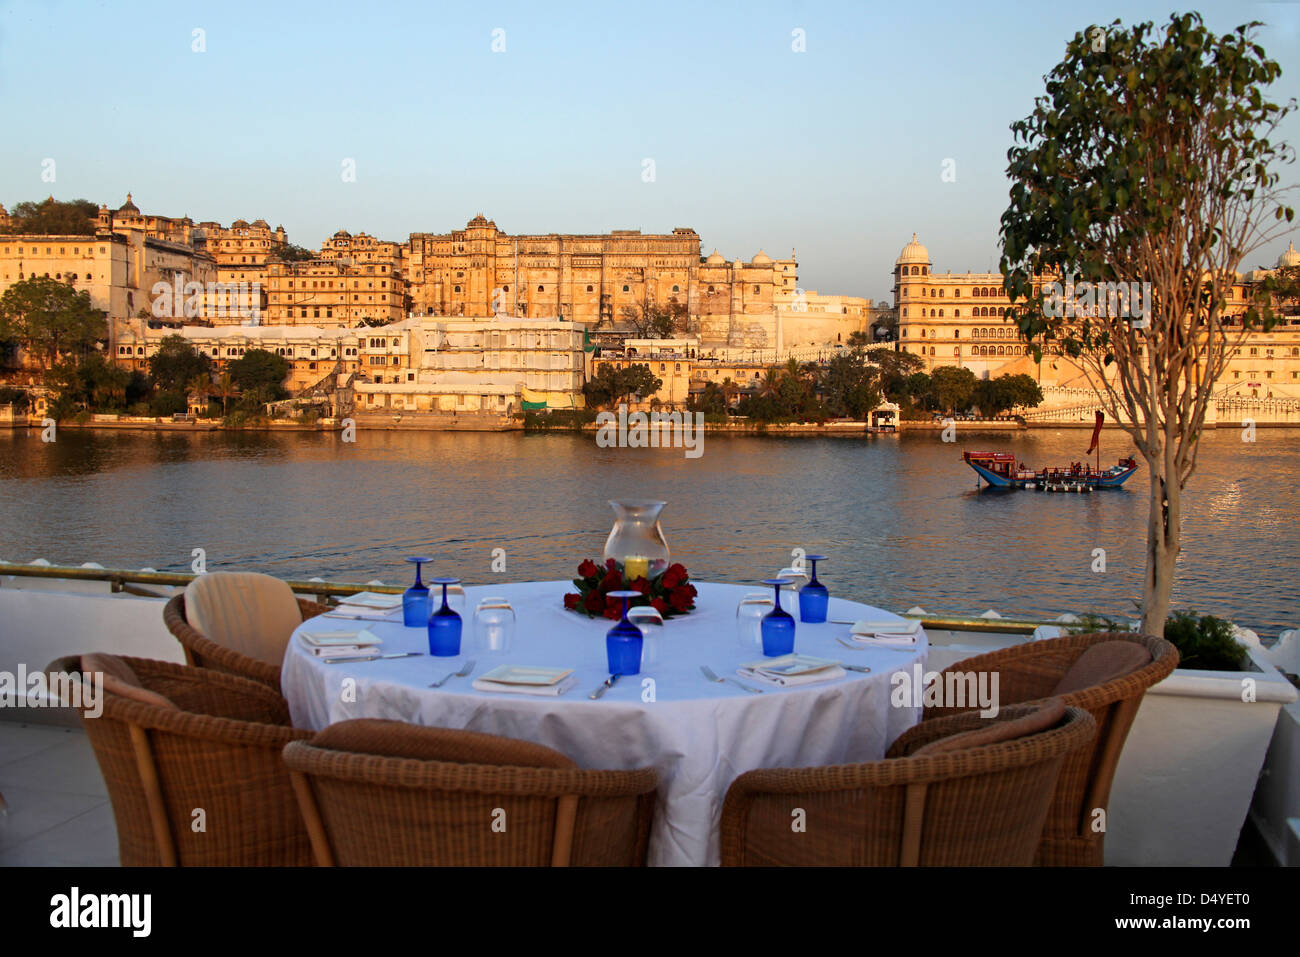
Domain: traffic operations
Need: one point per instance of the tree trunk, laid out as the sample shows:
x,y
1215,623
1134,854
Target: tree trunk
x,y
1164,526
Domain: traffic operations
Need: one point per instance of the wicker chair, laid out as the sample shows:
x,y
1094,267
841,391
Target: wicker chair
x,y
387,793
202,651
172,740
1036,670
978,797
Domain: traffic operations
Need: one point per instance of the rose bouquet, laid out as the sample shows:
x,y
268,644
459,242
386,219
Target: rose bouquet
x,y
670,592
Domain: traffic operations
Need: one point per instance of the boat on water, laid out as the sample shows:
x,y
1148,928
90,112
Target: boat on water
x,y
1001,470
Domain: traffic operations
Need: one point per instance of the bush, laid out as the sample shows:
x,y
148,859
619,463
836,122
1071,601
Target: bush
x,y
167,403
18,398
1204,642
564,419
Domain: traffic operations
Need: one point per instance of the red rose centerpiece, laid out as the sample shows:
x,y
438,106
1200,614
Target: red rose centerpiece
x,y
670,592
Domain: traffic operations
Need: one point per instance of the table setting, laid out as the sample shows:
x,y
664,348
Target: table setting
x,y
630,664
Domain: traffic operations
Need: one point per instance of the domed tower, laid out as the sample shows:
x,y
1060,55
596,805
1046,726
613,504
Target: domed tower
x,y
911,270
1289,258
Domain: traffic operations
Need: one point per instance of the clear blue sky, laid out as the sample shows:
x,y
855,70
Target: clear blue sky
x,y
836,151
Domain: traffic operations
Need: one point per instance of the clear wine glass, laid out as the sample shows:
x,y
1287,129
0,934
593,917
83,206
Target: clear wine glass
x,y
749,619
444,625
494,626
415,600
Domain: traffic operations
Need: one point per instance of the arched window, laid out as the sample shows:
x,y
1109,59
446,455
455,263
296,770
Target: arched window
x,y
925,271
543,288
956,350
977,291
916,271
675,289
589,289
455,288
940,313
933,334
1001,351
922,333
625,289
940,293
956,293
956,313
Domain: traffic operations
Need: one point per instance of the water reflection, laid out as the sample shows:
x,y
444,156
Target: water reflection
x,y
899,514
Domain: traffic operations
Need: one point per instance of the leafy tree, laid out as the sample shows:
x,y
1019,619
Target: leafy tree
x,y
996,396
711,400
1149,160
95,384
656,322
50,319
225,389
953,388
259,376
290,253
53,218
612,385
895,369
177,364
850,385
859,338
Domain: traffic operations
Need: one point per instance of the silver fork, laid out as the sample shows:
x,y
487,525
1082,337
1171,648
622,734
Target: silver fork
x,y
708,673
465,670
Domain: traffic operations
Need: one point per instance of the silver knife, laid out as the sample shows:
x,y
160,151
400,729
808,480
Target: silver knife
x,y
609,683
399,654
863,668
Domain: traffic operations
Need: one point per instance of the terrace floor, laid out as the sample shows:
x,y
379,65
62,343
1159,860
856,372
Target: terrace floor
x,y
58,812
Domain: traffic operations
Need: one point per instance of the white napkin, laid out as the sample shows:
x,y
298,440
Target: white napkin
x,y
338,644
501,687
364,613
760,672
900,634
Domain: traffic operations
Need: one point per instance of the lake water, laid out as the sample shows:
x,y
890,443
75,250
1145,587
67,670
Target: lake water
x,y
898,515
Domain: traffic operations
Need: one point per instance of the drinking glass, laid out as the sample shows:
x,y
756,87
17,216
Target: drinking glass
x,y
749,618
813,597
444,625
623,642
456,600
494,625
778,624
790,592
651,624
415,600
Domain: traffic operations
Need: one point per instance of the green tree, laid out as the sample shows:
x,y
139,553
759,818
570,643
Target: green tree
x,y
710,401
50,319
259,376
850,385
53,218
225,390
612,385
859,339
996,396
953,388
93,383
176,364
895,369
290,253
1149,160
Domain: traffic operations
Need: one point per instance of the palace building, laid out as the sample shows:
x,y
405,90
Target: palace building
x,y
960,319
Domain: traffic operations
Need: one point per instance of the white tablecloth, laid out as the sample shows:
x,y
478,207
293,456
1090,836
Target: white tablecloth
x,y
698,734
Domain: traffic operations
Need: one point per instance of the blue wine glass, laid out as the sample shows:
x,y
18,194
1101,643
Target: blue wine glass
x,y
415,600
813,597
444,625
778,624
624,641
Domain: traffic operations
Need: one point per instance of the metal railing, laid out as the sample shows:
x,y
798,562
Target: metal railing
x,y
122,580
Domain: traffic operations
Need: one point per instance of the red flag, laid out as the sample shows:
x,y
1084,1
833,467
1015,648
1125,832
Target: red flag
x,y
1096,432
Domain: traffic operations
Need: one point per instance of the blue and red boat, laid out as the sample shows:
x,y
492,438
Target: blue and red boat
x,y
1001,470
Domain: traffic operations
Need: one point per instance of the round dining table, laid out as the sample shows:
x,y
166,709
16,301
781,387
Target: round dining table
x,y
697,733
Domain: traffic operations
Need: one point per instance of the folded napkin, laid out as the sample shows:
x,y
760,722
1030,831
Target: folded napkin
x,y
340,644
503,687
791,670
364,613
900,634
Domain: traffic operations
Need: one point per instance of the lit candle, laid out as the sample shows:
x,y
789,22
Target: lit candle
x,y
636,566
